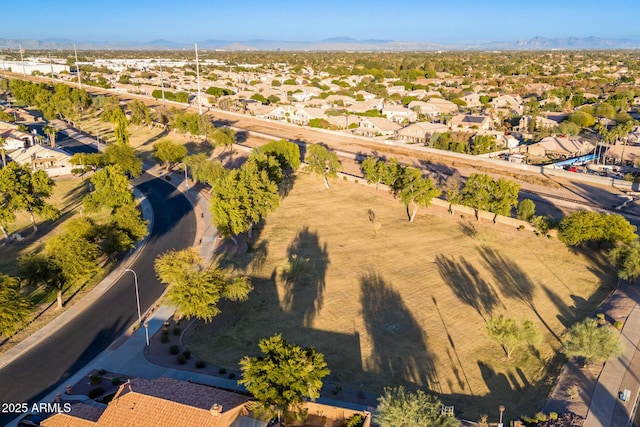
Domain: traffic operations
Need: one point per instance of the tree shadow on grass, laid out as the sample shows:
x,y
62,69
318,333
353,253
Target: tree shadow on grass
x,y
388,322
468,229
203,147
305,277
466,283
513,281
570,314
153,139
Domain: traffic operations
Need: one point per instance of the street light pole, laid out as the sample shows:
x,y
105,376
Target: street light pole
x,y
186,183
502,408
135,281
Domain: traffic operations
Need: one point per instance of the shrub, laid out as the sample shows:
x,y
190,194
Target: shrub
x,y
200,364
540,417
174,349
553,416
164,339
222,371
600,316
617,324
95,392
167,178
181,359
165,330
355,421
186,354
95,379
520,227
116,381
296,270
177,331
231,375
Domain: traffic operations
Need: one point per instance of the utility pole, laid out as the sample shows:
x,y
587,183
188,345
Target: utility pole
x,y
51,65
198,77
162,83
77,67
24,73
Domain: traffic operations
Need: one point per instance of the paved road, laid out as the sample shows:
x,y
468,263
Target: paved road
x,y
37,372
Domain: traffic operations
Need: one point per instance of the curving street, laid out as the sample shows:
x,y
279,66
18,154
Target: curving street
x,y
36,373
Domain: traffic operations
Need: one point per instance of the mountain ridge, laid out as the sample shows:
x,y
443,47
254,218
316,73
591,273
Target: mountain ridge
x,y
341,43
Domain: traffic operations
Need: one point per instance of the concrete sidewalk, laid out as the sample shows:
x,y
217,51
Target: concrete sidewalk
x,y
606,408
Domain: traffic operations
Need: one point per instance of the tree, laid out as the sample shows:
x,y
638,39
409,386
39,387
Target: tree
x,y
593,342
585,226
204,170
286,152
526,210
124,156
323,162
284,376
605,109
194,290
140,113
453,188
27,191
374,170
168,152
7,215
510,335
111,190
400,408
74,252
417,191
120,123
3,151
477,193
582,119
223,137
504,197
14,308
242,198
627,259
51,132
40,269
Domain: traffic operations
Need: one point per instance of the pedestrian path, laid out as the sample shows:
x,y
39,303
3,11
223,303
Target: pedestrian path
x,y
606,408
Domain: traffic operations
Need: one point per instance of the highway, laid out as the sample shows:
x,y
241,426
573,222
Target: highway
x,y
37,372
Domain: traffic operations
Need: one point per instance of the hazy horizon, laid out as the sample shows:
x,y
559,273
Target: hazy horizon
x,y
457,21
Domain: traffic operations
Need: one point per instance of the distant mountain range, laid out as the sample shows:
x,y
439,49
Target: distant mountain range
x,y
334,44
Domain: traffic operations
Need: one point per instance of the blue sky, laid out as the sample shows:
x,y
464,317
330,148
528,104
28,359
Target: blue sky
x,y
302,20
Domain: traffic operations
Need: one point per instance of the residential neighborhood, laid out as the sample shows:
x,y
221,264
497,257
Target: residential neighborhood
x,y
351,236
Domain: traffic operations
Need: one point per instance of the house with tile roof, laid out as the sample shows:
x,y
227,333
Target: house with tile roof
x,y
559,147
54,161
377,126
469,121
167,402
162,402
421,132
399,114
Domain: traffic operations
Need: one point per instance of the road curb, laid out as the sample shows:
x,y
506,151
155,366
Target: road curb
x,y
105,284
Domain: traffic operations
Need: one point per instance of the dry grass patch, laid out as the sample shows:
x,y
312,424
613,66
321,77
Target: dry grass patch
x,y
408,306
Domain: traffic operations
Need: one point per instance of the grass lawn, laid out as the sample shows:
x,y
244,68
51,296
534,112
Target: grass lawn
x,y
409,305
67,196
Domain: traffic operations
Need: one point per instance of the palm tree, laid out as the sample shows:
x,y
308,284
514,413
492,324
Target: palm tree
x,y
51,133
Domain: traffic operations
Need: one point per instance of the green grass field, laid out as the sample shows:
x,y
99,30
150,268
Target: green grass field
x,y
409,305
